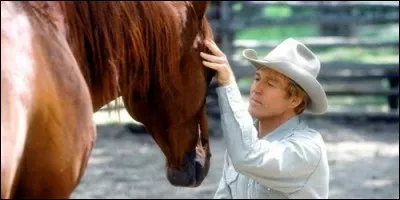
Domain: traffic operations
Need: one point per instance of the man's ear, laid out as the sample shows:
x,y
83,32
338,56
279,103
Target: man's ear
x,y
295,101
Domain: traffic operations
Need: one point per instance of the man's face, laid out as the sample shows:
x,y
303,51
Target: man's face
x,y
268,97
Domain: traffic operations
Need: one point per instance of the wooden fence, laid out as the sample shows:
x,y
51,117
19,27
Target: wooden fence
x,y
329,15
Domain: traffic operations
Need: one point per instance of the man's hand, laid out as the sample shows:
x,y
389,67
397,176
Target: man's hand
x,y
219,63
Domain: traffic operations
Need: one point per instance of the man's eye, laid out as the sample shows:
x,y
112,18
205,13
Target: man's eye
x,y
269,83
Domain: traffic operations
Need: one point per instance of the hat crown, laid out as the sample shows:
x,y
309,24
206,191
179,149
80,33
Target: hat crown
x,y
296,53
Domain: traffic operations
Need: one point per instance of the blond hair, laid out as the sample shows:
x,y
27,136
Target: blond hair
x,y
294,89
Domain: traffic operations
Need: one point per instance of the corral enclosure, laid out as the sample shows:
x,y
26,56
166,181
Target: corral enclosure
x,y
357,43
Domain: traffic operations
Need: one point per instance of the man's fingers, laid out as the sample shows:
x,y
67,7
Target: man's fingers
x,y
217,48
214,48
212,41
214,66
212,58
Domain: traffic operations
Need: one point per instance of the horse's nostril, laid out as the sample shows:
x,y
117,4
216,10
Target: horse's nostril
x,y
192,172
191,155
172,177
179,178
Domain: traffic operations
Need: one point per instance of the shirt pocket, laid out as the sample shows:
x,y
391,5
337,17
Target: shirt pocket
x,y
231,178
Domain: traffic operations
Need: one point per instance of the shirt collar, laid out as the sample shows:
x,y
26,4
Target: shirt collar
x,y
282,130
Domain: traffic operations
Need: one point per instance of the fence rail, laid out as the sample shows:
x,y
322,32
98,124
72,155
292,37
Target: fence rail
x,y
345,20
347,91
334,15
321,42
339,70
328,4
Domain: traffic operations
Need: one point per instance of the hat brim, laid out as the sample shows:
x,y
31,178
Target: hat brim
x,y
318,101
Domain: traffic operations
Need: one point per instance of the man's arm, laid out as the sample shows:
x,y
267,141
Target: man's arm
x,y
281,165
223,191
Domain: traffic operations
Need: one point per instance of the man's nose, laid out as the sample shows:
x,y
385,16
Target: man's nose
x,y
258,88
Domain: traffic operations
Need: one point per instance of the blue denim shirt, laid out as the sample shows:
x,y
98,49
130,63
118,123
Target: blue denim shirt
x,y
289,162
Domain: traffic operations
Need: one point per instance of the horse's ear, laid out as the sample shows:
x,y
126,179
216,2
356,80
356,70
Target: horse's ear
x,y
200,8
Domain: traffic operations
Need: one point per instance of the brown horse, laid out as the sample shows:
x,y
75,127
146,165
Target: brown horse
x,y
62,61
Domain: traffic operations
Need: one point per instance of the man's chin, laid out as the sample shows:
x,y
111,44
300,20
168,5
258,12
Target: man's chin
x,y
255,113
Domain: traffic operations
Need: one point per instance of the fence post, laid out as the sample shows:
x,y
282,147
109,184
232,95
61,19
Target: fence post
x,y
393,100
226,32
334,29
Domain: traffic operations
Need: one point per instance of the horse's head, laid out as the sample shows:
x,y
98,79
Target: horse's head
x,y
173,109
149,53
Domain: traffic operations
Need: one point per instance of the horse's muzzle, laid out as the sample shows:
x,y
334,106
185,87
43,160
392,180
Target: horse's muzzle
x,y
195,169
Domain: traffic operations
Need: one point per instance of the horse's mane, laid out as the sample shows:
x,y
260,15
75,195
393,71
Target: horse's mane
x,y
112,38
108,37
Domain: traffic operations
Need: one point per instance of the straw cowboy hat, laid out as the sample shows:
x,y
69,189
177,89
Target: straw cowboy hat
x,y
294,60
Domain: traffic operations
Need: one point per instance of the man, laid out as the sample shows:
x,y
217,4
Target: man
x,y
279,157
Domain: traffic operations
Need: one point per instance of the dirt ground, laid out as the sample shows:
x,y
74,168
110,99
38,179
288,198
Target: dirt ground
x,y
363,157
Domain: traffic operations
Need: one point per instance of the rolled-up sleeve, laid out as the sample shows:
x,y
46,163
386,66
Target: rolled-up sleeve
x,y
281,165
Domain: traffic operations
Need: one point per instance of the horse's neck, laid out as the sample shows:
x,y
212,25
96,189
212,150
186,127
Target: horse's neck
x,y
98,99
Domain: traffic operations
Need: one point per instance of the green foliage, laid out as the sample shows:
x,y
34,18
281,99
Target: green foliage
x,y
277,32
383,32
277,11
376,55
236,7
